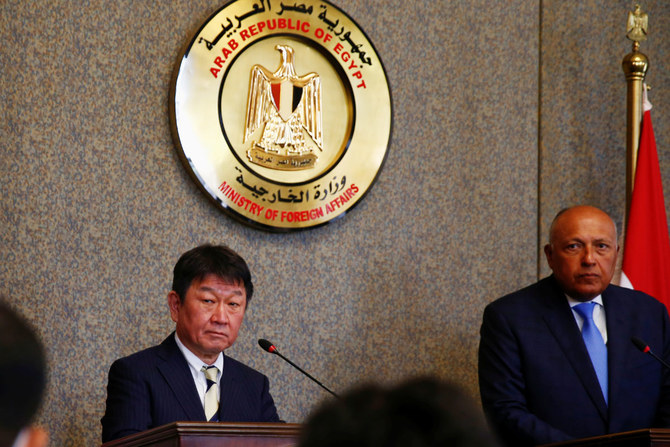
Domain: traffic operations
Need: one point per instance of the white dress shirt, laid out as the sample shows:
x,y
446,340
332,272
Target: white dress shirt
x,y
195,365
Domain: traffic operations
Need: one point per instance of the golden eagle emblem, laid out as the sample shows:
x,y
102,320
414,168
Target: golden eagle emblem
x,y
286,109
637,24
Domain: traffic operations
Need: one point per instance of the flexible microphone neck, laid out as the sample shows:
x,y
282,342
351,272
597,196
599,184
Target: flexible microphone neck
x,y
642,346
272,349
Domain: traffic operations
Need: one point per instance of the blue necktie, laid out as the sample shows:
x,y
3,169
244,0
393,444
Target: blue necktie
x,y
594,344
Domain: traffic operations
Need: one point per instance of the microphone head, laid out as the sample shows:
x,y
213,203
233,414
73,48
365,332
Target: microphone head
x,y
639,344
267,345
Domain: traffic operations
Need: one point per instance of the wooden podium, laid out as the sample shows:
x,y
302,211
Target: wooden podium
x,y
211,434
648,437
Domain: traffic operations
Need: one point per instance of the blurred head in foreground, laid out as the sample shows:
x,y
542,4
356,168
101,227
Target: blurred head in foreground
x,y
22,381
418,413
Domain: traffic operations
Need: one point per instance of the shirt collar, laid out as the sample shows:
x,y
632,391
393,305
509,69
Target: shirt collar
x,y
193,360
573,302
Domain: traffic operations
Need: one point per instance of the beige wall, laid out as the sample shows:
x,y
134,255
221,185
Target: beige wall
x,y
504,112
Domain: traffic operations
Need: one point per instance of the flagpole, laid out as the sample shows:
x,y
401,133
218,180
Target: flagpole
x,y
635,65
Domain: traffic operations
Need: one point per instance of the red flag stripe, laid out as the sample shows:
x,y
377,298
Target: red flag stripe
x,y
646,259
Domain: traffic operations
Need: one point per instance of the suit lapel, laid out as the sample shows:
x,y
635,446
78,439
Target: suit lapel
x,y
232,396
562,324
616,310
176,372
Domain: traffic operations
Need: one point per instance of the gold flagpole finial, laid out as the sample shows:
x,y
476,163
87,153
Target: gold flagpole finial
x,y
635,65
636,27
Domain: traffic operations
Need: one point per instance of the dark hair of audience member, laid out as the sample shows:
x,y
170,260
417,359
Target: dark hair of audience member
x,y
418,413
22,374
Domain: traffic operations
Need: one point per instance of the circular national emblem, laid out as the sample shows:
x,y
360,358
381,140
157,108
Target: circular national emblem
x,y
281,112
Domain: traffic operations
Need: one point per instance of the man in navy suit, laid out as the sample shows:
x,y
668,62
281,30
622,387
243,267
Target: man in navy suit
x,y
211,289
538,383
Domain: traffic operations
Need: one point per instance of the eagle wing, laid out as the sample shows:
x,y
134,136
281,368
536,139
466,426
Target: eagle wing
x,y
310,107
258,101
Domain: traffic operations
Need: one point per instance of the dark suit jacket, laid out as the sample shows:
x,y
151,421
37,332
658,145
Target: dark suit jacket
x,y
536,379
155,387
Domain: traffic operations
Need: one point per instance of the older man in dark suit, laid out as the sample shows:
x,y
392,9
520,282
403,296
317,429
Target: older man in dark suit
x,y
556,360
187,377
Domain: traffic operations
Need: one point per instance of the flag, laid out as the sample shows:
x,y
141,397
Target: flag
x,y
646,256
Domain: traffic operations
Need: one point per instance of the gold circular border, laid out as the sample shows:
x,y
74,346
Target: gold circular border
x,y
208,100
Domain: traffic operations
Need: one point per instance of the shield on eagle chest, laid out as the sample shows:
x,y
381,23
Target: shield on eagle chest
x,y
286,97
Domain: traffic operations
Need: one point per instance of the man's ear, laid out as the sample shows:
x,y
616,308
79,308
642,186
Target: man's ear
x,y
174,303
547,254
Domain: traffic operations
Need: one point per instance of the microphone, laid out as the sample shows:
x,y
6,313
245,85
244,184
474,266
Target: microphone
x,y
272,349
642,346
